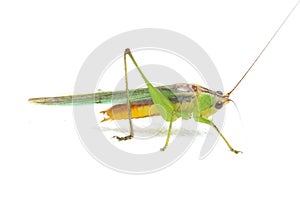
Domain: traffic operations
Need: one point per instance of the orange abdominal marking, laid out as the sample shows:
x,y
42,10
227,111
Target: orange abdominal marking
x,y
138,110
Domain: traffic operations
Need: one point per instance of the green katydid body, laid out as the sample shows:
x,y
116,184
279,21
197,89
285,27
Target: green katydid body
x,y
171,102
184,96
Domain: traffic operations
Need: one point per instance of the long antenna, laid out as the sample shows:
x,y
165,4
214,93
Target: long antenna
x,y
262,51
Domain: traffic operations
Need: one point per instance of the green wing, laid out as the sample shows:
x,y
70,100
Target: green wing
x,y
180,92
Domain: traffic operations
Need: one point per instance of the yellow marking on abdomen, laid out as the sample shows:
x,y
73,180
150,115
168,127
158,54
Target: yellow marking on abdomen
x,y
138,110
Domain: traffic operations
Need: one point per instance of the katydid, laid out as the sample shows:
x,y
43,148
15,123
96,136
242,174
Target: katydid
x,y
171,102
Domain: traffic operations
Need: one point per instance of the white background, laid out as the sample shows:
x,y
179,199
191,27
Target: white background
x,y
42,47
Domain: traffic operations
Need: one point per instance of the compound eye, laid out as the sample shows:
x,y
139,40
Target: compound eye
x,y
219,105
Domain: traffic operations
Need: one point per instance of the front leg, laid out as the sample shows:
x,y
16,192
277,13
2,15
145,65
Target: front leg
x,y
209,122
